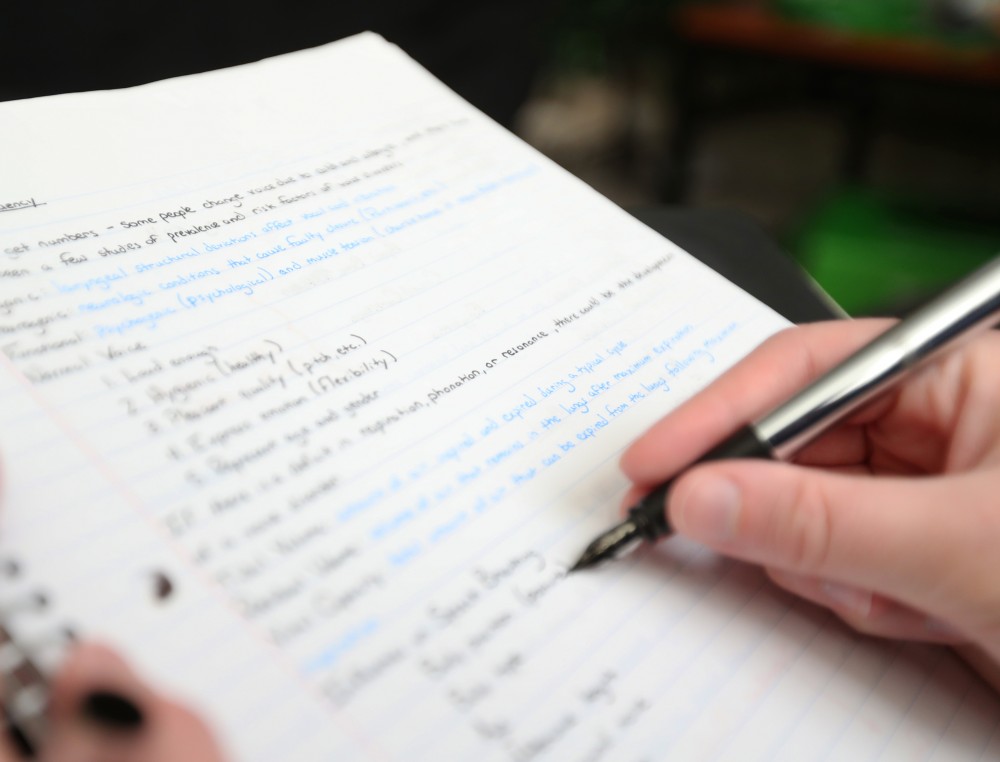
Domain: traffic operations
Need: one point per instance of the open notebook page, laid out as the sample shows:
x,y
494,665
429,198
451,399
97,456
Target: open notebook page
x,y
347,367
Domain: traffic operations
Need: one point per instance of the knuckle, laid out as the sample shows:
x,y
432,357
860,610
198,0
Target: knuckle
x,y
808,528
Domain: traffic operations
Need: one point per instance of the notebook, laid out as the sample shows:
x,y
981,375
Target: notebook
x,y
313,381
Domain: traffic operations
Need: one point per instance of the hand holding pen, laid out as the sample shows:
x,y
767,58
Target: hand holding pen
x,y
890,518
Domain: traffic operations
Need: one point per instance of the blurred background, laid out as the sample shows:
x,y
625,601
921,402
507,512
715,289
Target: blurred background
x,y
863,135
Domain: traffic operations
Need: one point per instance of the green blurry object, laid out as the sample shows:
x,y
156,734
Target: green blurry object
x,y
880,256
891,17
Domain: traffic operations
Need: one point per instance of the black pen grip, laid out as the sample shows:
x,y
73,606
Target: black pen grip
x,y
650,515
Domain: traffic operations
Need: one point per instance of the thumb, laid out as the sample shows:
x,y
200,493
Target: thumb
x,y
101,710
922,541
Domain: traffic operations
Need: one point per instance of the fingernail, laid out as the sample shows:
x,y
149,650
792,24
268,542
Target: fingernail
x,y
111,710
854,599
711,509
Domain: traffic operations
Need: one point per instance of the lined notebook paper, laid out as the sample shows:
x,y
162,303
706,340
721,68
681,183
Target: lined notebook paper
x,y
314,381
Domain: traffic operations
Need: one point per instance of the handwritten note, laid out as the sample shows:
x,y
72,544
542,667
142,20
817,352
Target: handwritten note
x,y
348,368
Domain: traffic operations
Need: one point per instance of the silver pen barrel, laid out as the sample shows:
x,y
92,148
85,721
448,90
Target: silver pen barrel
x,y
973,303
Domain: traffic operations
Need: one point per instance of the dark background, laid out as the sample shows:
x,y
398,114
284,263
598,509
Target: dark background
x,y
489,51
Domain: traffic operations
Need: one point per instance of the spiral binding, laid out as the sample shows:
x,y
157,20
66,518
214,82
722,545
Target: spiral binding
x,y
24,688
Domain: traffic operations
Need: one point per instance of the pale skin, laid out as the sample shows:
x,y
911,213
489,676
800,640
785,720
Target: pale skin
x,y
891,519
169,732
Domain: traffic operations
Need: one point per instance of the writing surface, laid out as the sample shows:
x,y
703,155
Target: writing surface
x,y
350,367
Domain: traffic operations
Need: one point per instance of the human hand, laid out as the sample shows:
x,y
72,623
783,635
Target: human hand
x,y
101,712
891,519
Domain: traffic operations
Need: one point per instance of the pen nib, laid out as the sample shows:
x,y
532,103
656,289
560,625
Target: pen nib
x,y
614,543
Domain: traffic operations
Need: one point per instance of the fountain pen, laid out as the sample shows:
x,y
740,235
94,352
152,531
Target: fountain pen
x,y
973,303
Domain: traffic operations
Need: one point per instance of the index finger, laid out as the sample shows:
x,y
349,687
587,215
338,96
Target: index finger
x,y
766,377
